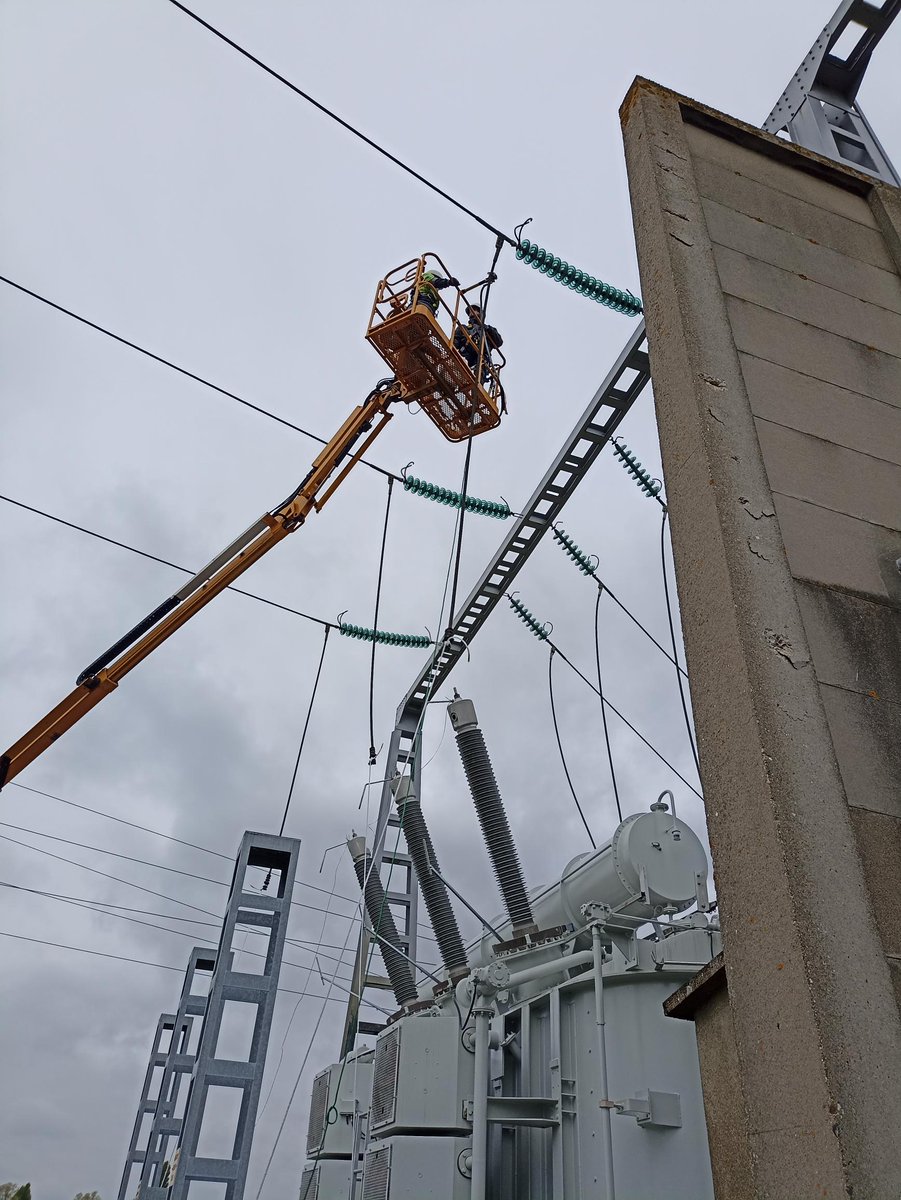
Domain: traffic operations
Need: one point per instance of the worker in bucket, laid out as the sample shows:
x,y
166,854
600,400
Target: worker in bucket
x,y
429,286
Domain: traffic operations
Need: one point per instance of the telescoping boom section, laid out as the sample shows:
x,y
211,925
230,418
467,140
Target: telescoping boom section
x,y
445,387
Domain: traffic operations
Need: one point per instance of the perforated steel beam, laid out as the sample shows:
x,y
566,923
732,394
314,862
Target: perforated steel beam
x,y
268,911
150,1092
177,1067
594,429
159,1095
819,109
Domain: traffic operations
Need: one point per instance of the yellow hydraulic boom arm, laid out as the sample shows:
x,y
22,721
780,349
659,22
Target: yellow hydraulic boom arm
x,y
104,674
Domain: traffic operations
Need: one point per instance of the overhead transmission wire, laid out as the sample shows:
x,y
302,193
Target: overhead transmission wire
x,y
550,685
340,120
140,887
542,634
103,905
96,906
303,736
588,567
597,657
166,362
102,537
21,937
179,841
533,255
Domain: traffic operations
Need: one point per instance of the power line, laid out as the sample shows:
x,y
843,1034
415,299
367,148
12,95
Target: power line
x,y
265,412
597,657
181,842
550,686
115,878
315,948
193,845
122,821
625,720
20,937
306,726
101,905
102,537
340,120
113,854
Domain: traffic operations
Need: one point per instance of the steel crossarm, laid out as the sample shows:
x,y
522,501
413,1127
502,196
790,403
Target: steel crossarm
x,y
819,109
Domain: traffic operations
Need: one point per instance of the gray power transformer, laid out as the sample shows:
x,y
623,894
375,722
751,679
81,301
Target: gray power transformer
x,y
550,1070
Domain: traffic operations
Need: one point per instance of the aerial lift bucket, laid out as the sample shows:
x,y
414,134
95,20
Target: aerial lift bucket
x,y
421,348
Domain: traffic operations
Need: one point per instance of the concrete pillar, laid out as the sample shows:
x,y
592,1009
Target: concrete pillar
x,y
773,306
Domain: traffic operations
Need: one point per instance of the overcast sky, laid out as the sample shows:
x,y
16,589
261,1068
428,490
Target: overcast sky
x,y
160,185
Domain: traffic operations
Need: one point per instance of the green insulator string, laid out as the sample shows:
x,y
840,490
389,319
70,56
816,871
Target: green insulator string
x,y
651,487
587,563
542,632
383,637
578,281
431,491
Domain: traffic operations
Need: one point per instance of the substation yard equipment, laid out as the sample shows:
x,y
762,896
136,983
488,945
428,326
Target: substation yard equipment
x,y
429,345
543,1064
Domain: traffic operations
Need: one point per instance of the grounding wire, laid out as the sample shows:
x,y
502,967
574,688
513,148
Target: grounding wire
x,y
375,625
550,688
102,537
303,736
597,656
340,120
265,412
672,631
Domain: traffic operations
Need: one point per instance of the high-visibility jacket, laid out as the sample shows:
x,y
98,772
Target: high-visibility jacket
x,y
430,285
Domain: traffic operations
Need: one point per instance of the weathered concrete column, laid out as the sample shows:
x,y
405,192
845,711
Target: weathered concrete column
x,y
773,308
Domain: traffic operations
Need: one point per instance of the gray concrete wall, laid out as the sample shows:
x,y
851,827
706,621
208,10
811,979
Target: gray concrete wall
x,y
771,286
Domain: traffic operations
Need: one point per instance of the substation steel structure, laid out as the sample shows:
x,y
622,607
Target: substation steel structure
x,y
818,111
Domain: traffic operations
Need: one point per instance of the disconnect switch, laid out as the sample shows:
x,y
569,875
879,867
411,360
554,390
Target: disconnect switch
x,y
653,1110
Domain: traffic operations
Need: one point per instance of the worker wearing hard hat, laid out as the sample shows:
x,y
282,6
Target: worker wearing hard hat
x,y
429,286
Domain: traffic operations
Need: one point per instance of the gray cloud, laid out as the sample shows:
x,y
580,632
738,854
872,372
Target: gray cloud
x,y
158,184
